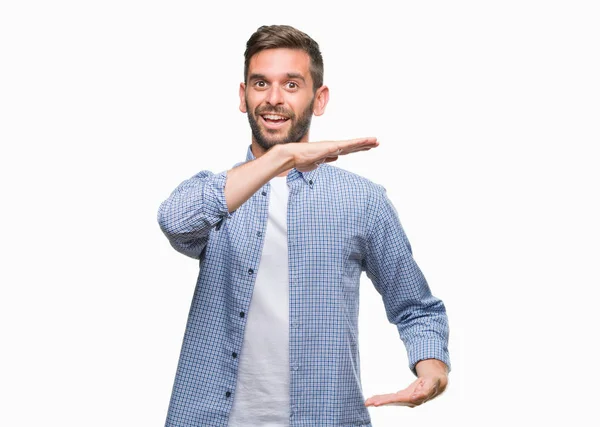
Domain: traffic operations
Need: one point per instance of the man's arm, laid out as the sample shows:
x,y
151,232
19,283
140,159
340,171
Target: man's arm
x,y
201,202
245,180
419,316
206,199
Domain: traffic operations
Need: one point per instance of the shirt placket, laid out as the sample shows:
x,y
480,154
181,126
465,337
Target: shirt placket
x,y
247,276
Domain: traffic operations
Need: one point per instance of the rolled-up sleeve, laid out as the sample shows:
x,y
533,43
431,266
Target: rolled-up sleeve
x,y
192,209
419,316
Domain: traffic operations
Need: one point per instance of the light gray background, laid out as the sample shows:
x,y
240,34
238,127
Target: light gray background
x,y
487,113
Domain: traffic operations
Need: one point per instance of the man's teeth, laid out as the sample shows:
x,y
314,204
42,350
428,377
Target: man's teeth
x,y
274,117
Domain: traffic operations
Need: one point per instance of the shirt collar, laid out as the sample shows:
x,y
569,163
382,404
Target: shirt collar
x,y
309,177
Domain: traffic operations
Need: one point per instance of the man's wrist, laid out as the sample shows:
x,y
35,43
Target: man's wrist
x,y
431,367
283,158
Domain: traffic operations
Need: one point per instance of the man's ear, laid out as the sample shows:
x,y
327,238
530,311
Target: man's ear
x,y
321,100
243,97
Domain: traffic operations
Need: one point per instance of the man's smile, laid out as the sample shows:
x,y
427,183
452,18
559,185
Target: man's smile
x,y
274,121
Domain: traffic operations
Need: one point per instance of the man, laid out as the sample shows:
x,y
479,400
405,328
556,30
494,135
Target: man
x,y
282,239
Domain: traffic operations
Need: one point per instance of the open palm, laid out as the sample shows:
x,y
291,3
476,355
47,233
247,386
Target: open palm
x,y
420,391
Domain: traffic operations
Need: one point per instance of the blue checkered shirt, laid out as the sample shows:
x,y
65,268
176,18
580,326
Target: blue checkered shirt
x,y
339,225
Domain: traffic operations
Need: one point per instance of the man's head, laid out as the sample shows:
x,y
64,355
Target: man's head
x,y
283,85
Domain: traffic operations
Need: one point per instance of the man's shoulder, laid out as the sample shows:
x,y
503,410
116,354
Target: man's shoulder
x,y
341,176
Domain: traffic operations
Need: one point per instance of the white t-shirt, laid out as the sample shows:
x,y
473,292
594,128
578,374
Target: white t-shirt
x,y
262,397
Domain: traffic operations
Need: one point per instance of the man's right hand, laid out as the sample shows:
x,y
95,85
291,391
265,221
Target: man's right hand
x,y
307,156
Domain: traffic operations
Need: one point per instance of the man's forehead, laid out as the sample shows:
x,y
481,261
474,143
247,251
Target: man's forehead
x,y
280,62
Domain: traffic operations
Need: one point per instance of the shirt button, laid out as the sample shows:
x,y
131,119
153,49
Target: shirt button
x,y
295,367
228,394
234,354
250,271
241,314
310,182
258,233
264,193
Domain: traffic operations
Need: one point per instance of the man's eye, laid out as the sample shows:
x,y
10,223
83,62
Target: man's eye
x,y
292,85
260,83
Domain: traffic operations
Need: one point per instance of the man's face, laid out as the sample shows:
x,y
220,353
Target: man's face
x,y
278,96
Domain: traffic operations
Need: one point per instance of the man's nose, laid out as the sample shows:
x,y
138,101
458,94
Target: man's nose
x,y
275,95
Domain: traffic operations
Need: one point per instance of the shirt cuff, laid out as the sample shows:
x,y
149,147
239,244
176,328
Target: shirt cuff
x,y
429,349
214,196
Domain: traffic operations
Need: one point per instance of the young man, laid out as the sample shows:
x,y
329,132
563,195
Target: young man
x,y
282,240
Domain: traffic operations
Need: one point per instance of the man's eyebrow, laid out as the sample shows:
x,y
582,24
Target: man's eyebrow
x,y
296,76
257,77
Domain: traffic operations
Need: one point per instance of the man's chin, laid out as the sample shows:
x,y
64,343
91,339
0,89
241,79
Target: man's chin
x,y
270,142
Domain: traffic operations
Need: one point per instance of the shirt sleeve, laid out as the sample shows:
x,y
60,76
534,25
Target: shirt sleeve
x,y
419,316
193,208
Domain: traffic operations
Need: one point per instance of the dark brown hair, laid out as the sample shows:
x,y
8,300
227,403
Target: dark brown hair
x,y
284,36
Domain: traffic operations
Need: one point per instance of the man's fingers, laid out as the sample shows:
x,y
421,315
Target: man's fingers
x,y
354,148
402,398
419,392
364,139
309,157
357,142
370,142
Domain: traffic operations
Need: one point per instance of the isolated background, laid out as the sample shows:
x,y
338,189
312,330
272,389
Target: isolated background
x,y
488,118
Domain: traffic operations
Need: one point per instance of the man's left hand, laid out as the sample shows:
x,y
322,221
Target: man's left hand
x,y
431,382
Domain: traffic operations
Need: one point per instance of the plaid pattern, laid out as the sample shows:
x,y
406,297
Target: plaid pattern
x,y
339,225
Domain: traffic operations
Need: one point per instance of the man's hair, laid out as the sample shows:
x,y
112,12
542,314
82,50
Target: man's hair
x,y
284,36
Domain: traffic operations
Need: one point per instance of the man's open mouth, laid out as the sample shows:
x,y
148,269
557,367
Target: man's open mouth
x,y
274,120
